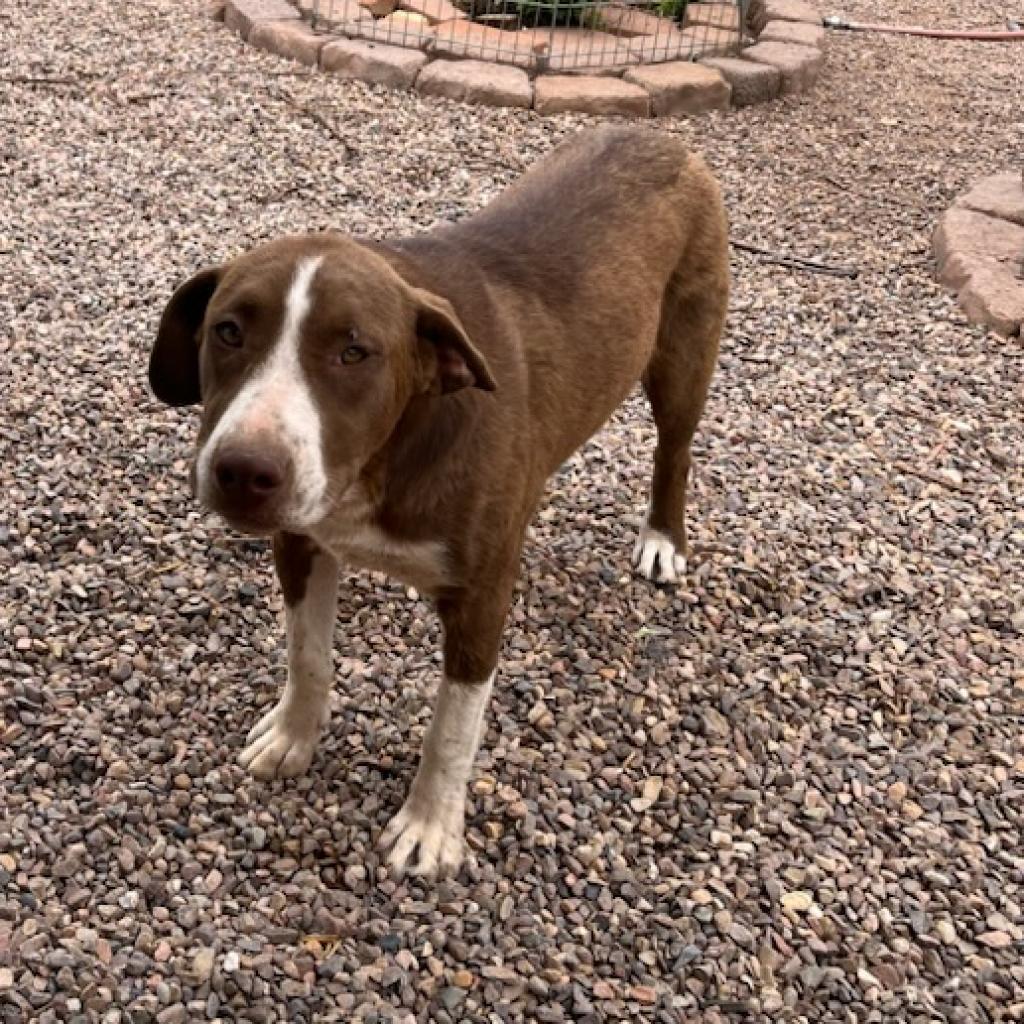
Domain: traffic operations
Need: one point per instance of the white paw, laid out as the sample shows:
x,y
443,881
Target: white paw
x,y
656,556
434,830
281,744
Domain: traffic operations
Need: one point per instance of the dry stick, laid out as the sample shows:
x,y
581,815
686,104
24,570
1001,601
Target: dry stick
x,y
797,262
929,476
314,115
75,83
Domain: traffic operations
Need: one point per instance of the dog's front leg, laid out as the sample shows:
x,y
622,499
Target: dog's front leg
x,y
428,831
281,744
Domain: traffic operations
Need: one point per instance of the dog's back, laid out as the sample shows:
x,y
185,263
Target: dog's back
x,y
568,274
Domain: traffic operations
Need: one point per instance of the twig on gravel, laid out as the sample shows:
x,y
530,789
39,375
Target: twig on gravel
x,y
31,80
929,476
280,196
145,97
315,116
797,262
834,183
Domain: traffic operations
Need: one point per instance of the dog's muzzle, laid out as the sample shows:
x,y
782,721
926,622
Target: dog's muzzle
x,y
249,486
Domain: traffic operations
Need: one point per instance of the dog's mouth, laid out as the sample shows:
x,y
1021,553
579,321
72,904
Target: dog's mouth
x,y
248,498
263,520
252,500
252,526
255,519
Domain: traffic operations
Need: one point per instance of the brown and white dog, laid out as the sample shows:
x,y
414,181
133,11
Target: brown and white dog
x,y
399,406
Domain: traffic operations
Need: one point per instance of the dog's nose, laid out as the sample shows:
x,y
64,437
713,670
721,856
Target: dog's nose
x,y
247,476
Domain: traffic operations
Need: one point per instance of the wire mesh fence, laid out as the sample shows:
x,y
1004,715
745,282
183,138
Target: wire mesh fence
x,y
603,36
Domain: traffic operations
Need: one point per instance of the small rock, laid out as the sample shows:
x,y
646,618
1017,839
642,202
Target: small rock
x,y
661,734
643,994
798,901
451,996
176,1014
202,964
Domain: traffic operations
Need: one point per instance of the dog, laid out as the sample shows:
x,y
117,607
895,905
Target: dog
x,y
399,406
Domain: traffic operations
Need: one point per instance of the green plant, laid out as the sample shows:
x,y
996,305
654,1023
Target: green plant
x,y
674,9
584,13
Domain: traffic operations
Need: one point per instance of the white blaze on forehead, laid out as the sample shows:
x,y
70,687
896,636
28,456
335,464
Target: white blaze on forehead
x,y
276,403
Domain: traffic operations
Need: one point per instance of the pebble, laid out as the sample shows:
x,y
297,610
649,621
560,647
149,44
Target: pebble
x,y
202,964
451,997
643,994
798,901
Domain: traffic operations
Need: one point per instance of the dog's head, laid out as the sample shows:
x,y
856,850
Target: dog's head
x,y
304,353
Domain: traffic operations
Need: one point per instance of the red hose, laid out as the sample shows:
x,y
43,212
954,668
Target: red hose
x,y
932,33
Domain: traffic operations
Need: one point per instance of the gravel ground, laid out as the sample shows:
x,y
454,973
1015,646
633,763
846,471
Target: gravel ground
x,y
790,790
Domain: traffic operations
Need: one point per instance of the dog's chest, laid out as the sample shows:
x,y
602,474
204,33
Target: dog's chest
x,y
422,564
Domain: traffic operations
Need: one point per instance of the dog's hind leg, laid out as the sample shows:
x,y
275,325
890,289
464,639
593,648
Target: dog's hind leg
x,y
676,381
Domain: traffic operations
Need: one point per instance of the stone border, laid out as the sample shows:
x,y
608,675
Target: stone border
x,y
979,253
786,59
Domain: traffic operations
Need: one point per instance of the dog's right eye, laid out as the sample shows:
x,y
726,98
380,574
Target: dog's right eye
x,y
228,333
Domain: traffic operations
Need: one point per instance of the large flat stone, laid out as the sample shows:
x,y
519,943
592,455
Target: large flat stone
x,y
402,28
332,13
627,20
481,42
681,87
292,39
798,65
394,66
684,44
982,258
965,239
792,10
242,15
474,81
555,94
751,83
717,14
1001,195
799,32
563,49
994,297
434,11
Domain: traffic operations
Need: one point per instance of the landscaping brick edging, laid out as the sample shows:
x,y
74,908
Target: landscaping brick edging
x,y
979,252
786,59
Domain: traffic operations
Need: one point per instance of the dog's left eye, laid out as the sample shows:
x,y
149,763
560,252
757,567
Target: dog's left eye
x,y
352,353
228,333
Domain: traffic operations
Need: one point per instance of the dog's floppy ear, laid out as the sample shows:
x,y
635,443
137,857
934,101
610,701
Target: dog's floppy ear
x,y
174,361
453,361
